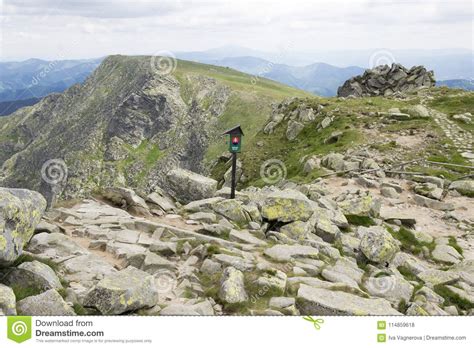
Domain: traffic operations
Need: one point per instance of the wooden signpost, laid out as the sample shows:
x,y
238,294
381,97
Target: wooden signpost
x,y
235,146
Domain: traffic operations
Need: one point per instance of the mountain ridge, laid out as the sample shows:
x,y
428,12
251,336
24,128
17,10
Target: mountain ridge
x,y
128,123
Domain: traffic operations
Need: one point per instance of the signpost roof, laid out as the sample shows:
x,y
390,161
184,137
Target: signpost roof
x,y
235,130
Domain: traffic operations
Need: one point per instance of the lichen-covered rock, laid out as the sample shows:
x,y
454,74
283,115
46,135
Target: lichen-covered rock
x,y
20,212
124,291
393,288
47,303
333,161
232,210
283,252
232,288
35,275
434,277
273,279
286,206
294,128
187,186
325,227
429,190
464,187
297,230
361,206
446,253
317,301
7,300
378,245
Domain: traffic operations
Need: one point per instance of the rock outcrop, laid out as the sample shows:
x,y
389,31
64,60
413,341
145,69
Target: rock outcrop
x,y
20,212
123,291
187,186
385,80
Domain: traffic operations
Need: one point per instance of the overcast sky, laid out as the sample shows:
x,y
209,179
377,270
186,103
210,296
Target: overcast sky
x,y
59,29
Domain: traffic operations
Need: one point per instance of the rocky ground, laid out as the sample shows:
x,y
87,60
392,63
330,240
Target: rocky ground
x,y
363,245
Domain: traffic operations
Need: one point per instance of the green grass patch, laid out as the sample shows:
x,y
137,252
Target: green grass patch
x,y
451,298
384,147
213,249
360,220
407,274
309,142
452,241
30,258
409,241
22,292
414,123
79,309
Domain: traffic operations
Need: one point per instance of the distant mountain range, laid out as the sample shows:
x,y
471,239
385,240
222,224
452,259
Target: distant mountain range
x,y
464,84
24,83
318,78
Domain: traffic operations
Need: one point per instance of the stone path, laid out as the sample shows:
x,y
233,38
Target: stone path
x,y
462,139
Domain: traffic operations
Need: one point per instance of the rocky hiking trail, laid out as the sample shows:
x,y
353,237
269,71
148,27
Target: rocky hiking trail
x,y
461,139
363,245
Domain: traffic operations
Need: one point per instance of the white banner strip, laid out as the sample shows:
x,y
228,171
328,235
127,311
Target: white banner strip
x,y
235,331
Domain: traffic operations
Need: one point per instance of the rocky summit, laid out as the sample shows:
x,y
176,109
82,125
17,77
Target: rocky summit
x,y
386,80
344,206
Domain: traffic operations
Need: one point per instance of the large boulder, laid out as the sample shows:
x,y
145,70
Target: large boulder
x,y
187,186
294,128
124,291
365,205
56,247
464,187
34,275
20,212
47,303
232,286
378,245
7,301
333,161
317,301
393,288
232,210
127,198
286,206
285,253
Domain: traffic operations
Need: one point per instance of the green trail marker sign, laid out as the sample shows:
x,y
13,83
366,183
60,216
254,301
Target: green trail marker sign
x,y
235,146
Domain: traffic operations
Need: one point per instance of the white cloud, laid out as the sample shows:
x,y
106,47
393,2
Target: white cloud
x,y
142,26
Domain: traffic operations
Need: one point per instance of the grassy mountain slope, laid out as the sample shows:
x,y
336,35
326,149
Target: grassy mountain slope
x,y
364,125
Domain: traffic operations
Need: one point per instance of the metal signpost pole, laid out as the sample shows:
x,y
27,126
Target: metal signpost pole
x,y
234,172
235,145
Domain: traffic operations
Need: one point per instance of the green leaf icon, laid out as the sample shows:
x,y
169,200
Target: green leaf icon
x,y
316,322
19,328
